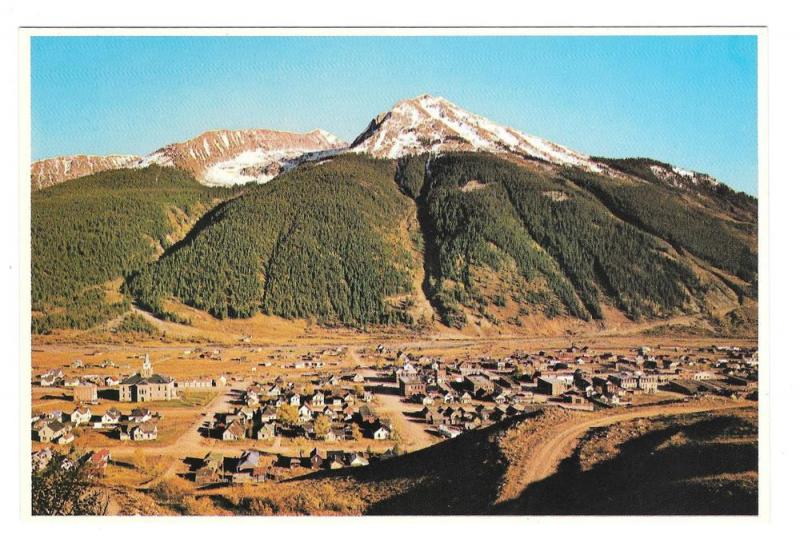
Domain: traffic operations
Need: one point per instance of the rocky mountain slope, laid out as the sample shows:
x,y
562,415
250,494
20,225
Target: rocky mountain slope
x,y
215,158
428,124
52,171
235,157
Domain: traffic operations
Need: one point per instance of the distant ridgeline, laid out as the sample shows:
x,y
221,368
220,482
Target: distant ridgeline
x,y
497,239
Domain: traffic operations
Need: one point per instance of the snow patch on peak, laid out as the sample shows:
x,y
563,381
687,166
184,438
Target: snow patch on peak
x,y
260,165
433,124
684,173
234,171
158,158
681,177
232,157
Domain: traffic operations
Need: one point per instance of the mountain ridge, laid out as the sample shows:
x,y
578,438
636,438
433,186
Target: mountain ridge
x,y
52,171
423,124
230,157
222,157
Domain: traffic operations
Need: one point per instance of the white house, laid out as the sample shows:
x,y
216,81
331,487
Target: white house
x,y
381,433
81,415
110,417
305,412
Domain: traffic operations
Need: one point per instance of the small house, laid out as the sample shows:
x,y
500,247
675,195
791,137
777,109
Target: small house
x,y
266,431
140,415
234,431
99,460
81,415
356,460
111,417
381,433
147,431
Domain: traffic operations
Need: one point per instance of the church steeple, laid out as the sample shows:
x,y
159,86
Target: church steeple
x,y
147,367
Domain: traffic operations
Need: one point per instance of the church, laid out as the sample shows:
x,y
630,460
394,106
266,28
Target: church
x,y
146,386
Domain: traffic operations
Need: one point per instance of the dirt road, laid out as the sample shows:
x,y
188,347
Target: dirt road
x,y
414,435
543,458
191,439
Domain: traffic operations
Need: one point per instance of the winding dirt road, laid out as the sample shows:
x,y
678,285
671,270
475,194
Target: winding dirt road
x,y
542,459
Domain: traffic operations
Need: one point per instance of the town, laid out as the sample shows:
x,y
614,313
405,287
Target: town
x,y
273,415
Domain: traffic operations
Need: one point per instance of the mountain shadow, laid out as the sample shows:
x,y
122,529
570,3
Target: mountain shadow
x,y
677,470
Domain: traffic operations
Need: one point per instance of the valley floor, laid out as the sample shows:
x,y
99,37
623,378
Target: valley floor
x,y
495,469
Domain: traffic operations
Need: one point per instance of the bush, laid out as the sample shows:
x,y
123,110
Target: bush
x,y
133,323
56,491
288,414
295,499
172,491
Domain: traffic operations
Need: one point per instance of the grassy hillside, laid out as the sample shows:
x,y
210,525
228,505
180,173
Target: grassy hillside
x,y
687,464
319,242
99,228
704,464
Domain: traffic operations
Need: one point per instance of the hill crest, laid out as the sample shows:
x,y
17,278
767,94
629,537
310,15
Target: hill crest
x,y
215,157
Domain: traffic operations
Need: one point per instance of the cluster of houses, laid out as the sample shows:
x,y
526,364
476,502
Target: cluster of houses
x,y
57,426
326,411
95,461
51,428
466,394
254,466
138,425
84,387
455,396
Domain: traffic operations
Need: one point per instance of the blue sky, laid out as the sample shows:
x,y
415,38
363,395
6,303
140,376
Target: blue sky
x,y
686,100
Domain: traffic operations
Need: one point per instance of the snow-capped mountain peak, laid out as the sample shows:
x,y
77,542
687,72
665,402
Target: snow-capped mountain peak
x,y
233,157
327,136
433,124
